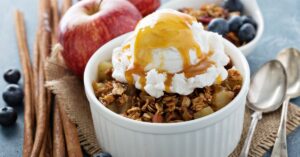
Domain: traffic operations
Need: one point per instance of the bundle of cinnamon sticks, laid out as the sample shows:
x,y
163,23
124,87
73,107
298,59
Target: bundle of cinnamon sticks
x,y
47,129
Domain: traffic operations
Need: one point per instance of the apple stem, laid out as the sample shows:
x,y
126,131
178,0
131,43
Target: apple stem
x,y
99,2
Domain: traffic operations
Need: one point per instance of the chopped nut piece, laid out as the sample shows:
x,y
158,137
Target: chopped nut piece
x,y
159,108
147,117
234,81
123,99
123,103
208,93
101,88
171,106
170,102
186,101
148,105
152,108
108,98
133,109
118,89
199,102
134,113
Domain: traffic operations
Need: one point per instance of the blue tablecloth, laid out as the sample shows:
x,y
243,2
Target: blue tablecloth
x,y
282,29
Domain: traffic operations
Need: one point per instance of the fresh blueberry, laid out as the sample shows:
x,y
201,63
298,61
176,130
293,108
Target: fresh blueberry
x,y
248,19
12,76
218,25
247,32
8,116
13,95
233,5
103,154
235,23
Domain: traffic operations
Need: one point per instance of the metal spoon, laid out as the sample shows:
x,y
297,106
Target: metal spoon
x,y
290,58
266,94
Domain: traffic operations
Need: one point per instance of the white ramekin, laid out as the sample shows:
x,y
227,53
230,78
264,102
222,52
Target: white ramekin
x,y
215,135
250,6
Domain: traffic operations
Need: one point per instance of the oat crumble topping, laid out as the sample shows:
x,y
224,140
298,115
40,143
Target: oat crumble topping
x,y
135,104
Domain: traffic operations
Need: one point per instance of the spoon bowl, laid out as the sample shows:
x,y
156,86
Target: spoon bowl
x,y
290,59
266,94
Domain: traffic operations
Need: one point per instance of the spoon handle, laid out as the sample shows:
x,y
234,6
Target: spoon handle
x,y
280,146
255,117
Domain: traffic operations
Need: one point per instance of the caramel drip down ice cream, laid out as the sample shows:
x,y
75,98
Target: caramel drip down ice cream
x,y
170,52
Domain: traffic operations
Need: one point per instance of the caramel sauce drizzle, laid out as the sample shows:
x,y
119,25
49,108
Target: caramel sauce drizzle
x,y
126,46
168,82
142,81
170,30
199,68
219,80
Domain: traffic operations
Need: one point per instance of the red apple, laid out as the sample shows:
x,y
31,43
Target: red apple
x,y
146,6
89,24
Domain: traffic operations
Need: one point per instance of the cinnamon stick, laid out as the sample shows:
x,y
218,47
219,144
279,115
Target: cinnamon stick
x,y
59,147
43,107
65,6
42,117
27,74
71,135
43,148
36,62
55,21
47,141
46,150
50,145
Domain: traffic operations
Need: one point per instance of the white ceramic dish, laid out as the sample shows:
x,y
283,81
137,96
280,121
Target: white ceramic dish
x,y
215,135
250,6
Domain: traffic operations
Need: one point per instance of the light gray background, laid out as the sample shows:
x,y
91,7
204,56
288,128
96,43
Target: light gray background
x,y
282,29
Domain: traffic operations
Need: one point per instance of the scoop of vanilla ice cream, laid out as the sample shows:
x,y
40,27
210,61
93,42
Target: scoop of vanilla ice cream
x,y
168,60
